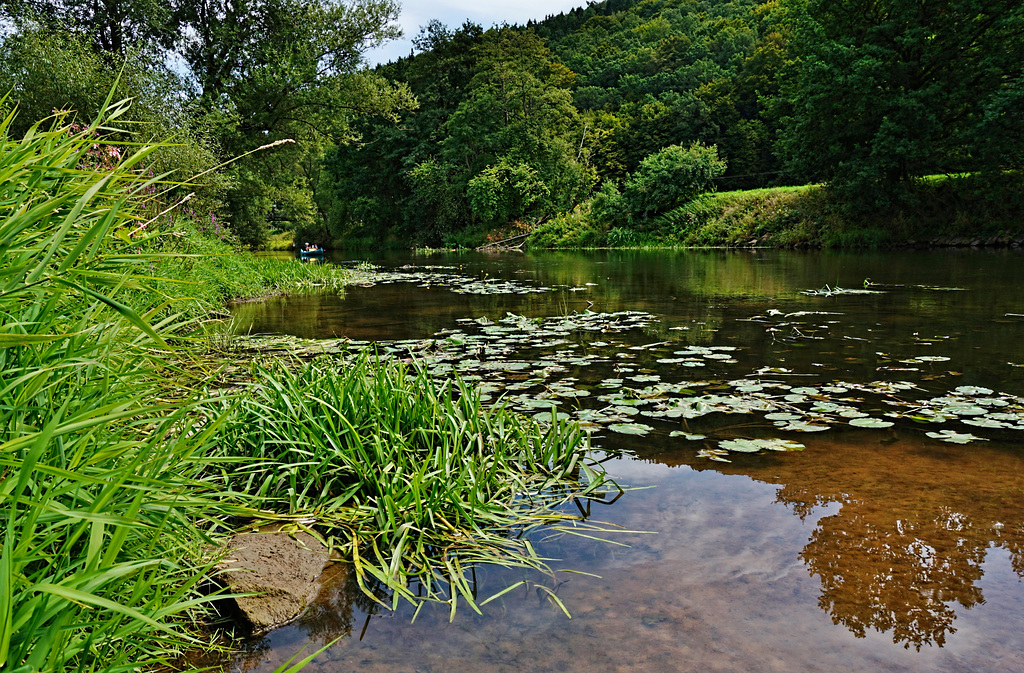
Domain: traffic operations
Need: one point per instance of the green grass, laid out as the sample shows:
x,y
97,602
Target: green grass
x,y
944,209
197,272
100,543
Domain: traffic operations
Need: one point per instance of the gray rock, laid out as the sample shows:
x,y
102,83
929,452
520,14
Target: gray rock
x,y
282,569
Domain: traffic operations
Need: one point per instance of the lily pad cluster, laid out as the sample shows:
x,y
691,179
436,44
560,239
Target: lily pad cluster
x,y
616,375
442,276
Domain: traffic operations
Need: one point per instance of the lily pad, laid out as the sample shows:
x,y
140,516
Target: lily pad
x,y
803,426
630,428
972,390
954,437
714,454
755,445
687,435
868,422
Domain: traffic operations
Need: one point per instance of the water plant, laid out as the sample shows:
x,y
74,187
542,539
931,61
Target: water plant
x,y
413,480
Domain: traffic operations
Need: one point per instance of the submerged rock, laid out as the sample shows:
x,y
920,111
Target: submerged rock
x,y
282,570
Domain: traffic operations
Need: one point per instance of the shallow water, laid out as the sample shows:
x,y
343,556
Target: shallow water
x,y
872,549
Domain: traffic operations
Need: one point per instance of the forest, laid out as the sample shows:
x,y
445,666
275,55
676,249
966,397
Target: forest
x,y
607,119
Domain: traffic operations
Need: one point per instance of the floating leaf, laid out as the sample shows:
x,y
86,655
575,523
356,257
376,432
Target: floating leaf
x,y
686,435
630,428
964,410
987,423
803,426
545,416
870,423
954,437
755,445
972,390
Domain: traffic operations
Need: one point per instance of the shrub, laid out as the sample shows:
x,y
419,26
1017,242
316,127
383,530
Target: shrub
x,y
671,177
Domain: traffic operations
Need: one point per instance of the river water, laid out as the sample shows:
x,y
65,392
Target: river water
x,y
878,547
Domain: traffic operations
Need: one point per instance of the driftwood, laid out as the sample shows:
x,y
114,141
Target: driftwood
x,y
503,245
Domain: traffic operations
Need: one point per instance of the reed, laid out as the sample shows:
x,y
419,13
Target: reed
x,y
97,510
414,480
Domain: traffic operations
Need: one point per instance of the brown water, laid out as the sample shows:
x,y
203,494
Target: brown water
x,y
871,550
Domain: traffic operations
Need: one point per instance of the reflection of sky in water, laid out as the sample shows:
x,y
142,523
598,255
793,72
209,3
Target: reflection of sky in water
x,y
720,587
844,557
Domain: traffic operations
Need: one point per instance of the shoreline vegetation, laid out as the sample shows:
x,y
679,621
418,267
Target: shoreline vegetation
x,y
131,426
947,212
624,123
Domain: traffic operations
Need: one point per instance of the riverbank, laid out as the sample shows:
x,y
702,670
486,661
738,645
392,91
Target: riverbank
x,y
130,421
947,212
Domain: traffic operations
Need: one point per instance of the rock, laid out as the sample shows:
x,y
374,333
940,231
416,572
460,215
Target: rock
x,y
283,569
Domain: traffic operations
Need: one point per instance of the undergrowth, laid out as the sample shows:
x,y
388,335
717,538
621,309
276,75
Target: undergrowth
x,y
940,208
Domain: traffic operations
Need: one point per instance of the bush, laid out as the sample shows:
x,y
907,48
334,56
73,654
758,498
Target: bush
x,y
671,177
574,229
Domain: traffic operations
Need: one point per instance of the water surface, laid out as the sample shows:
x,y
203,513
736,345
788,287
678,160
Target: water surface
x,y
872,549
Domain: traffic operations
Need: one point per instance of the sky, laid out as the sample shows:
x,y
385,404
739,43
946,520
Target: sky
x,y
453,13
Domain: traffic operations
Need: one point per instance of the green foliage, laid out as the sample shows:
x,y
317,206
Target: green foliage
x,y
608,205
265,72
624,237
577,228
418,481
874,97
671,72
505,192
501,143
100,547
670,177
195,272
46,71
112,27
115,468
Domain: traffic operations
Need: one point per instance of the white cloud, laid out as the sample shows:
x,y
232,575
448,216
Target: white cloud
x,y
453,13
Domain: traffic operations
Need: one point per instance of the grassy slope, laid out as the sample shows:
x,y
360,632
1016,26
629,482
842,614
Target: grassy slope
x,y
948,212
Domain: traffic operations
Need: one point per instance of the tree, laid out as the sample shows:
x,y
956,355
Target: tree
x,y
113,26
271,70
877,93
261,72
517,120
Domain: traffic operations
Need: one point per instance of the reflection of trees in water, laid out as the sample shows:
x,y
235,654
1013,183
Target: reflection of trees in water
x,y
913,530
915,524
901,576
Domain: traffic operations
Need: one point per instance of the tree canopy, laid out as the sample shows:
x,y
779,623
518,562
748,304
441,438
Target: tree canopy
x,y
876,93
616,105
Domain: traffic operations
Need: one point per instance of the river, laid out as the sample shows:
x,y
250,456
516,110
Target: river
x,y
893,541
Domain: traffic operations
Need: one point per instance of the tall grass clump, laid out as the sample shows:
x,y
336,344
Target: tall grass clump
x,y
97,516
415,479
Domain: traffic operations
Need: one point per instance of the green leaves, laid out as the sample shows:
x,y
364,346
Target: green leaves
x,y
671,177
874,99
98,510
